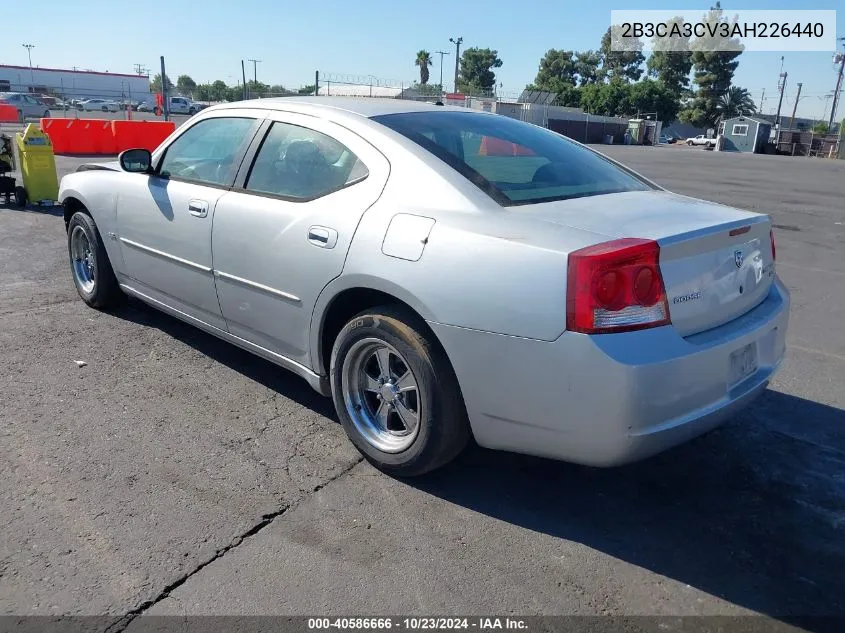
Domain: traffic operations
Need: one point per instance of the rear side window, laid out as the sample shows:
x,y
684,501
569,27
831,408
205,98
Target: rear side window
x,y
513,162
301,164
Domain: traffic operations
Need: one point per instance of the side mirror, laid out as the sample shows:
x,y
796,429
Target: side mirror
x,y
137,161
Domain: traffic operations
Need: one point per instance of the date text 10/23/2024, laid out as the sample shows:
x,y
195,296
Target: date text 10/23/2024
x,y
417,624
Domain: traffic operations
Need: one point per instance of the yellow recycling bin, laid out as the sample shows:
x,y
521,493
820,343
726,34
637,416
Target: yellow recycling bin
x,y
37,165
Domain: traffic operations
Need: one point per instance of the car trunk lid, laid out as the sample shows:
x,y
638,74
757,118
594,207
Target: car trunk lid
x,y
716,261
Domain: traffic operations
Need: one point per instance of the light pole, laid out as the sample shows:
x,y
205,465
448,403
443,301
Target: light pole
x,y
457,43
29,48
441,53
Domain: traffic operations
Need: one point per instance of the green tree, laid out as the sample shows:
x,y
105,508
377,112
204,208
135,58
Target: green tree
x,y
476,70
203,92
735,102
307,90
626,62
256,89
427,90
588,67
423,61
155,84
185,85
820,128
715,61
608,99
649,96
671,60
556,67
219,91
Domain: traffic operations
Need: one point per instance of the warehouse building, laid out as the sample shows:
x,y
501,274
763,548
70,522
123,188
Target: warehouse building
x,y
75,84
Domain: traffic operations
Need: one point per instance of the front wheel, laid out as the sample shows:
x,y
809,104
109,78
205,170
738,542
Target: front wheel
x,y
689,143
46,114
93,275
396,393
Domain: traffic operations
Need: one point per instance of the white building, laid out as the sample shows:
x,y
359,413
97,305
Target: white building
x,y
75,84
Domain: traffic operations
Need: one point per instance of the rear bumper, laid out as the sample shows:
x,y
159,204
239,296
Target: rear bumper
x,y
616,398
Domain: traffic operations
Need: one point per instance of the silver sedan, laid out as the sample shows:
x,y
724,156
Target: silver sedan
x,y
442,274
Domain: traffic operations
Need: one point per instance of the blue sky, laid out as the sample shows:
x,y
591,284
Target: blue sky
x,y
370,37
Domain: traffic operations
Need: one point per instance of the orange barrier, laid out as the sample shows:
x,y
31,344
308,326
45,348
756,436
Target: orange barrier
x,y
60,133
80,136
8,113
492,146
100,136
141,134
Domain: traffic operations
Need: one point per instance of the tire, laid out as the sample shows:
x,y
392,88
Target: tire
x,y
46,114
192,111
21,117
20,197
103,292
441,430
689,143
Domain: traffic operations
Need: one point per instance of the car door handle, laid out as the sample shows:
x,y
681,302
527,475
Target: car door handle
x,y
198,208
322,236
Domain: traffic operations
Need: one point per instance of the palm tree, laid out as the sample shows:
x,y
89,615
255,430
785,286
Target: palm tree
x,y
736,102
423,61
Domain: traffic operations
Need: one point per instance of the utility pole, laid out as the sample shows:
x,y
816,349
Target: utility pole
x,y
782,87
762,100
140,69
29,48
457,43
243,73
841,59
795,107
441,53
255,63
165,100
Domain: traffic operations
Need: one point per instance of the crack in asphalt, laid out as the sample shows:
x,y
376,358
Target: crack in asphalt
x,y
124,621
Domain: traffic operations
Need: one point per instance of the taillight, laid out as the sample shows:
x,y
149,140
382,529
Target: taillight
x,y
615,287
772,237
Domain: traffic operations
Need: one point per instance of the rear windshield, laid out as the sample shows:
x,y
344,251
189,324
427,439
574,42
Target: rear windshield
x,y
512,161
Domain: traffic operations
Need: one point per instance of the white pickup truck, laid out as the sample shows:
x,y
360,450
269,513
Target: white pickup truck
x,y
701,140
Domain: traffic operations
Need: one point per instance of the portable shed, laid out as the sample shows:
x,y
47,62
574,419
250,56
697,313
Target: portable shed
x,y
745,134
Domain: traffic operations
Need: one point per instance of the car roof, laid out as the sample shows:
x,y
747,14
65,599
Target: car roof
x,y
363,106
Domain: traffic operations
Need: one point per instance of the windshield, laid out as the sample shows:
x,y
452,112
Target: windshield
x,y
513,162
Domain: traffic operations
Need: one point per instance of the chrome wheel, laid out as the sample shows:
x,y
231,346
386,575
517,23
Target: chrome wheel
x,y
82,260
381,395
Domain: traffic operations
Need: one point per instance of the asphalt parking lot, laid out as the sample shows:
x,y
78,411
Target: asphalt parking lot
x,y
175,474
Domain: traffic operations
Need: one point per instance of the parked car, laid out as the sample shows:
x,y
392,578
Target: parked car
x,y
183,105
442,274
701,140
28,106
668,139
95,105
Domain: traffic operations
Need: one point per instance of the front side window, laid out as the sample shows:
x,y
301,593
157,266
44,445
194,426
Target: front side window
x,y
301,164
740,130
513,162
207,152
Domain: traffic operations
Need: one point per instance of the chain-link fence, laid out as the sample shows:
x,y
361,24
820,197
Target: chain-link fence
x,y
345,85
